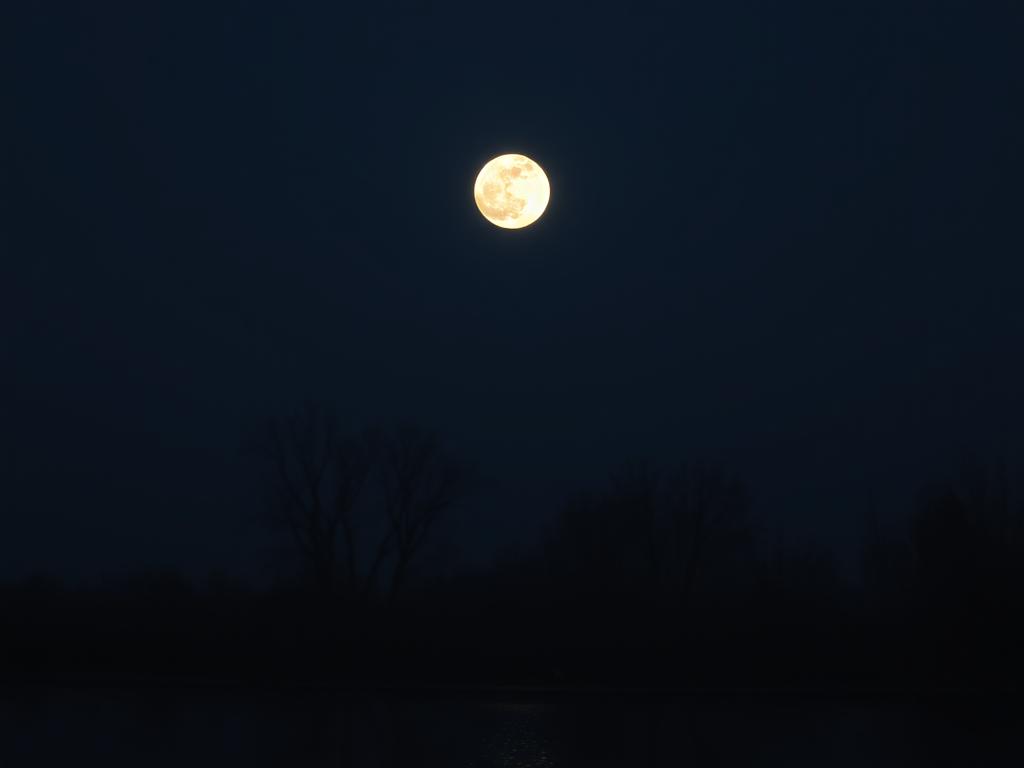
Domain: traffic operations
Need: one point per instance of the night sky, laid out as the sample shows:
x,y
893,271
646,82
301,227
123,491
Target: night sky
x,y
784,237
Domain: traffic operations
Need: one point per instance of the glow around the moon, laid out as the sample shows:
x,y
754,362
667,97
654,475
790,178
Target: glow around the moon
x,y
512,191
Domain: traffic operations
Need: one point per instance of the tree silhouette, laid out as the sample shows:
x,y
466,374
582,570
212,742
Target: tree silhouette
x,y
317,480
886,566
420,482
704,524
966,534
346,528
653,532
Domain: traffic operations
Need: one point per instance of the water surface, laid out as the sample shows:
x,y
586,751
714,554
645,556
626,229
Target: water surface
x,y
203,727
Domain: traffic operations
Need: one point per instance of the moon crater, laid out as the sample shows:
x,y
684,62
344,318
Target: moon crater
x,y
512,191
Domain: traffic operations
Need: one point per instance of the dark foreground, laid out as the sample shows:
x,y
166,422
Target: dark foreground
x,y
217,727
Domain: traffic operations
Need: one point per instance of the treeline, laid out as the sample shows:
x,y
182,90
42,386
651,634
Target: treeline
x,y
650,579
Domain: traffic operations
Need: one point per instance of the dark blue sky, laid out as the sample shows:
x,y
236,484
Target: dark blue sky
x,y
783,236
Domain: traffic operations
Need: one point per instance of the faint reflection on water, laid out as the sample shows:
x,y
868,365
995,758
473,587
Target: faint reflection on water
x,y
519,743
202,728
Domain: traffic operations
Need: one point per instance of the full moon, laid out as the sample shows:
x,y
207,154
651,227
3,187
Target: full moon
x,y
512,191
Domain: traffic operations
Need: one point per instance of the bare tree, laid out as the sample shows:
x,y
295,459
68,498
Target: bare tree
x,y
704,523
420,482
653,530
345,531
317,480
965,533
633,499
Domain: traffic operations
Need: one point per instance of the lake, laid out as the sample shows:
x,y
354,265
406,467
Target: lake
x,y
149,728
